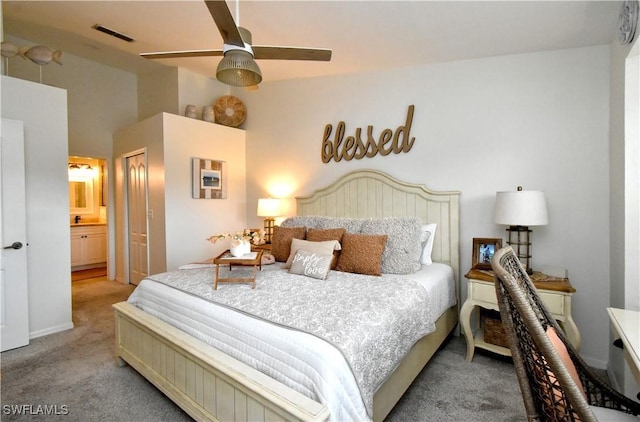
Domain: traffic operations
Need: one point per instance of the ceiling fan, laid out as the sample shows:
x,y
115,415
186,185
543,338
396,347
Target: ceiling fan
x,y
238,67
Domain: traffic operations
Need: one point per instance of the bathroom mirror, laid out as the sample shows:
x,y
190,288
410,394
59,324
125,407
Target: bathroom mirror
x,y
80,195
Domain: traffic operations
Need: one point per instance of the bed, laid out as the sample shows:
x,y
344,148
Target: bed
x,y
211,385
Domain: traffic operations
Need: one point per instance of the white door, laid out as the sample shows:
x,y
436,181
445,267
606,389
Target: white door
x,y
14,293
137,217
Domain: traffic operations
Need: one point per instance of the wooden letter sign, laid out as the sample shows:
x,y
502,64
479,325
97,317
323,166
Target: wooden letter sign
x,y
354,147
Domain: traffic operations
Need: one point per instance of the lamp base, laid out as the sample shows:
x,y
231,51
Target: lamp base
x,y
520,240
268,229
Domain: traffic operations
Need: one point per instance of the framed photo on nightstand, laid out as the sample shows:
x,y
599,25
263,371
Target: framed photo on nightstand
x,y
483,250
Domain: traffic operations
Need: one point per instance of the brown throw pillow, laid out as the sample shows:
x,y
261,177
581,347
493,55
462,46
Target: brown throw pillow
x,y
319,235
281,241
361,253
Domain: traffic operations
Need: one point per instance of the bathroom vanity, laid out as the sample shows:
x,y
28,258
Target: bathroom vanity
x,y
88,245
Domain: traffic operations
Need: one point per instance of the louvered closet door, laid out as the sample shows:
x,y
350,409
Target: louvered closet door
x,y
137,218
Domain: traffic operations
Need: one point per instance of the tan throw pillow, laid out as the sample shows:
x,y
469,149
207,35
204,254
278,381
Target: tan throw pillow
x,y
361,253
324,248
552,400
319,235
311,264
561,349
281,241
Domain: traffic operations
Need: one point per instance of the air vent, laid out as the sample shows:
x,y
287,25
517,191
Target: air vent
x,y
113,33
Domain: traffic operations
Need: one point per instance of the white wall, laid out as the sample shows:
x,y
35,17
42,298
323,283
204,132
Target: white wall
x,y
158,92
481,126
171,89
624,203
100,100
143,136
180,224
198,90
189,222
43,109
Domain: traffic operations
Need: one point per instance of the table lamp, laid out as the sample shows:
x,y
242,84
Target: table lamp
x,y
520,209
269,208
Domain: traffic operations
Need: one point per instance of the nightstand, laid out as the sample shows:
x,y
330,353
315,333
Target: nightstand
x,y
555,292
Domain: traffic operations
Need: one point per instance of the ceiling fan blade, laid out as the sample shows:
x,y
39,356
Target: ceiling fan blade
x,y
225,23
181,54
291,53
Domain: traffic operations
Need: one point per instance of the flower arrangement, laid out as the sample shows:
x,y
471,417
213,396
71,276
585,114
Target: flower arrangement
x,y
244,236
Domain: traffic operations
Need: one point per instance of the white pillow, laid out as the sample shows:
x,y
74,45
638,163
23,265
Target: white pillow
x,y
428,231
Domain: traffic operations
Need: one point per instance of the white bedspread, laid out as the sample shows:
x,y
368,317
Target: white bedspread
x,y
300,360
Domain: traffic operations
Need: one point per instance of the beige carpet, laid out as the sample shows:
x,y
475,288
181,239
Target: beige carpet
x,y
74,371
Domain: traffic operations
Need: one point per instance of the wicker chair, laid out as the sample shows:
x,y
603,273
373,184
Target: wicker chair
x,y
549,390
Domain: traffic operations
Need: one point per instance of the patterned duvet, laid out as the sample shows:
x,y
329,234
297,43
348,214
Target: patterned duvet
x,y
335,340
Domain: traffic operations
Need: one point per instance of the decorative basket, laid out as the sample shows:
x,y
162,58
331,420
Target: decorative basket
x,y
493,329
229,111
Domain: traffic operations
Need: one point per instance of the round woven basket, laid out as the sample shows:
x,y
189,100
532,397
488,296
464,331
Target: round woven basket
x,y
229,111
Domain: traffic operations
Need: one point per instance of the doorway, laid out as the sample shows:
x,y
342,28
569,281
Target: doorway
x,y
88,217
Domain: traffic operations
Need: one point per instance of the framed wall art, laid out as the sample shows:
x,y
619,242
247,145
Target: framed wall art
x,y
483,250
209,179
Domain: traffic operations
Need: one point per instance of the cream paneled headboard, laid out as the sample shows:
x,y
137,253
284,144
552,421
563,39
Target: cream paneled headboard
x,y
374,194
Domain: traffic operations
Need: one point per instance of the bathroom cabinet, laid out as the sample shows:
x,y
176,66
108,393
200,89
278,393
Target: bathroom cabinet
x,y
88,245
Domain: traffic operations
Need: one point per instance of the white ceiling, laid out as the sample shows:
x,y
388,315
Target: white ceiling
x,y
364,35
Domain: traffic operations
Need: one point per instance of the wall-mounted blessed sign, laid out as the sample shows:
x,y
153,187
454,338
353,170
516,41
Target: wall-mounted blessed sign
x,y
356,147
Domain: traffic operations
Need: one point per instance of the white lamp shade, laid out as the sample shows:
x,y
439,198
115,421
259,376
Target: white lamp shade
x,y
521,208
268,207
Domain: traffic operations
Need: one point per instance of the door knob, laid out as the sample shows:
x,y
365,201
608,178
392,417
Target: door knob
x,y
14,245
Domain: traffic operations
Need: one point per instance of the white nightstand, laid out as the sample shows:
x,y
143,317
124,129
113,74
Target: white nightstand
x,y
556,293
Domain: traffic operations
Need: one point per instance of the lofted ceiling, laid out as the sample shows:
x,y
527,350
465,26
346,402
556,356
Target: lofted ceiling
x,y
364,35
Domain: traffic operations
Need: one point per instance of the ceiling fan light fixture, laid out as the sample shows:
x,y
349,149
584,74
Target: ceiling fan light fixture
x,y
238,68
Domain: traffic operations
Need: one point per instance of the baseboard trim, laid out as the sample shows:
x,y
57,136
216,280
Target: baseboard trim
x,y
51,330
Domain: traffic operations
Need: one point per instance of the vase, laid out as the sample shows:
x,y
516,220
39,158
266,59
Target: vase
x,y
242,248
191,111
207,114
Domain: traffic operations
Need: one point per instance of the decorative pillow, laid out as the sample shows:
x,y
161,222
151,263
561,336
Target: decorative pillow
x,y
324,248
403,248
561,349
319,235
311,264
351,225
281,240
550,387
428,245
361,253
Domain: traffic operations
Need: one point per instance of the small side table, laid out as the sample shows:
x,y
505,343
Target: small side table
x,y
555,292
226,258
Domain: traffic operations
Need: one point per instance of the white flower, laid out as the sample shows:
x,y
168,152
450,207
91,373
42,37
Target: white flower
x,y
246,235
